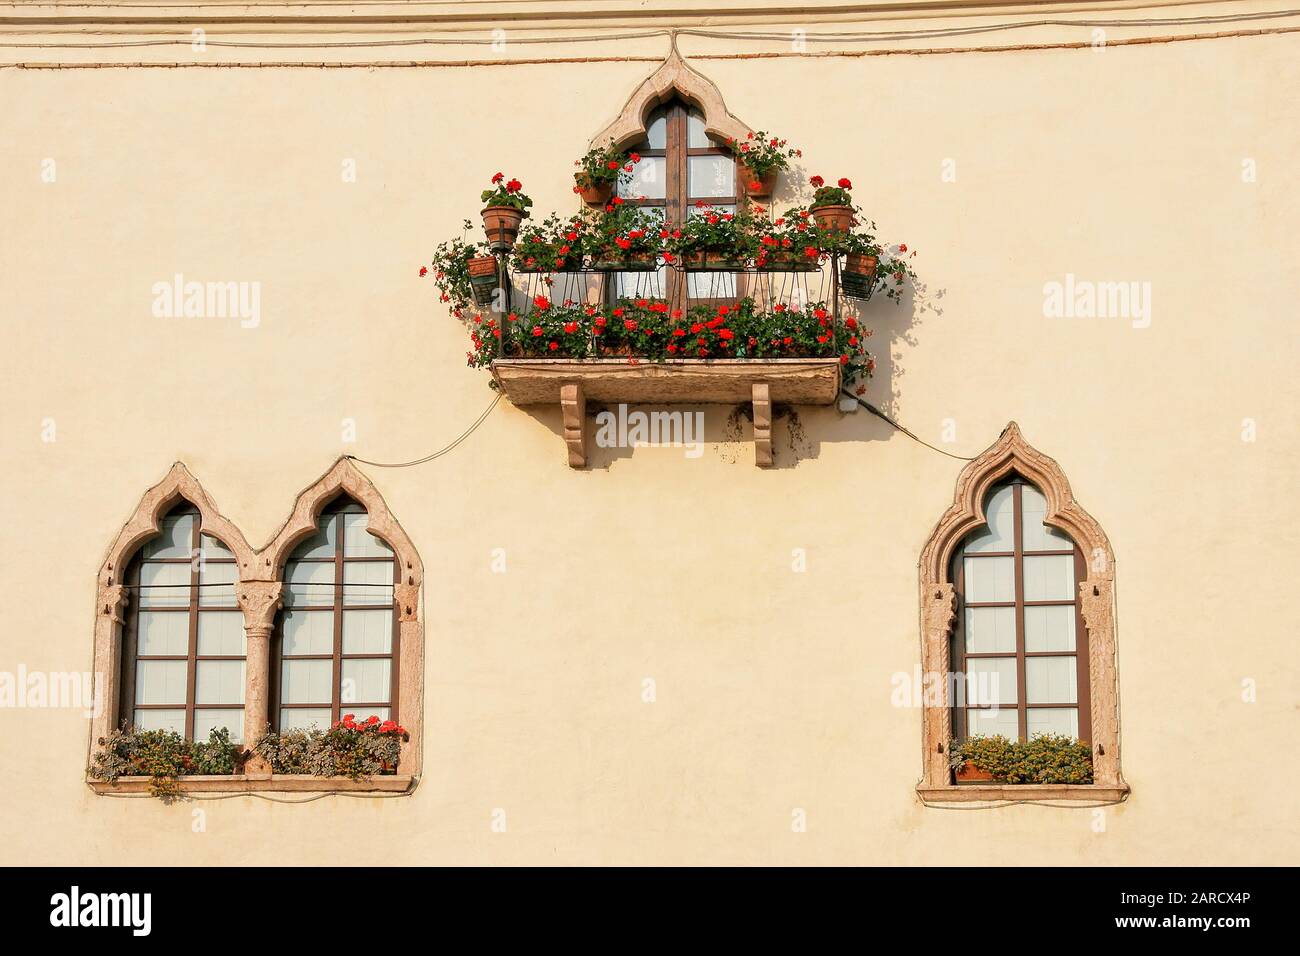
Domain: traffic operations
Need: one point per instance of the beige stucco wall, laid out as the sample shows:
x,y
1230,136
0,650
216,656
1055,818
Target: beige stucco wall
x,y
773,687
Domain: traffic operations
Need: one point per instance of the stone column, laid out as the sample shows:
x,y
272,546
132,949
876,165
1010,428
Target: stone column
x,y
259,601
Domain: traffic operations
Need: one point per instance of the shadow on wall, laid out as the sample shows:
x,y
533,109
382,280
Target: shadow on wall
x,y
617,432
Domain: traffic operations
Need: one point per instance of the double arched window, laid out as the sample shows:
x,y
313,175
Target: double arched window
x,y
337,640
184,647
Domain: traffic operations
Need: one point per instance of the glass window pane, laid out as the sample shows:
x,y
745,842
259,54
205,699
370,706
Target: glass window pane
x,y
367,632
219,682
999,509
306,682
206,721
711,176
173,540
163,633
1051,680
368,582
993,723
1049,577
649,179
990,681
309,583
160,682
308,632
990,630
989,579
221,634
164,585
650,285
173,720
696,137
711,285
212,548
217,584
362,714
366,680
1052,720
1038,536
359,542
304,718
1049,627
657,130
320,544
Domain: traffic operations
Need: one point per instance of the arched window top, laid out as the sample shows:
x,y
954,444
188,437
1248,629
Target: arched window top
x,y
672,80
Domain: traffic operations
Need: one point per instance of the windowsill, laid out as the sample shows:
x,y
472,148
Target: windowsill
x,y
1063,794
239,783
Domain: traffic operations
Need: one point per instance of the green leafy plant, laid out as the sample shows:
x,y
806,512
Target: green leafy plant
x,y
623,230
604,165
551,246
732,236
450,271
837,195
1044,758
164,756
506,193
348,749
762,153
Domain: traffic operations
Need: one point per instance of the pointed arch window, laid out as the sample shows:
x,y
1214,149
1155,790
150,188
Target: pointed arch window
x,y
337,637
184,650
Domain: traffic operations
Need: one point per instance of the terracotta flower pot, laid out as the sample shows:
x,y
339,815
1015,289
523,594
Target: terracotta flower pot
x,y
712,262
608,262
858,263
835,218
787,261
482,278
751,184
593,194
970,774
501,223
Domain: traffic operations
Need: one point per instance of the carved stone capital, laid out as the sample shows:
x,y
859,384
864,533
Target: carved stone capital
x,y
112,601
259,601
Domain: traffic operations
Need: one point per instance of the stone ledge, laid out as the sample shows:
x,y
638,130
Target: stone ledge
x,y
1065,794
238,783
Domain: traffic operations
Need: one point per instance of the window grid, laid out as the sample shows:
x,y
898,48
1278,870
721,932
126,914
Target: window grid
x,y
193,608
960,656
339,605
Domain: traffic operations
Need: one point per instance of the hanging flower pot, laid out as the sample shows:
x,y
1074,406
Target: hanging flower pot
x,y
593,193
482,278
759,187
859,276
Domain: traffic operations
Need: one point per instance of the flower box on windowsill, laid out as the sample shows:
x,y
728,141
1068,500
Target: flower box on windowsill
x,y
572,382
241,783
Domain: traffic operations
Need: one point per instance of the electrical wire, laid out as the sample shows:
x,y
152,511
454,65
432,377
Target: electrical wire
x,y
879,414
437,454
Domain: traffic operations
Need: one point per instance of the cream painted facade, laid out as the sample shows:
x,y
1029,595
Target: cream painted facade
x,y
1154,153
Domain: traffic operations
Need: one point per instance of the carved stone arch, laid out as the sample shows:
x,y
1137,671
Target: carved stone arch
x,y
1012,454
673,78
344,477
112,596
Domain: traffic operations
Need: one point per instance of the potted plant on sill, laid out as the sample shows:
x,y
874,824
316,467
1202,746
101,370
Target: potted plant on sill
x,y
553,246
505,208
165,757
624,237
600,170
832,206
464,272
350,748
1043,759
760,157
713,240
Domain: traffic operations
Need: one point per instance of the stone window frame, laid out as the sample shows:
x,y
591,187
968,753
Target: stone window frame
x,y
259,590
1009,455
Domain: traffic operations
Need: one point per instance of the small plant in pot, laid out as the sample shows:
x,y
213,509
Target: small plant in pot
x,y
1043,759
788,244
624,237
980,759
553,246
861,263
760,157
552,331
600,170
505,207
832,206
714,240
464,272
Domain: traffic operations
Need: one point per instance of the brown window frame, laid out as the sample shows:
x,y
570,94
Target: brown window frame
x,y
130,657
335,511
1080,652
678,201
